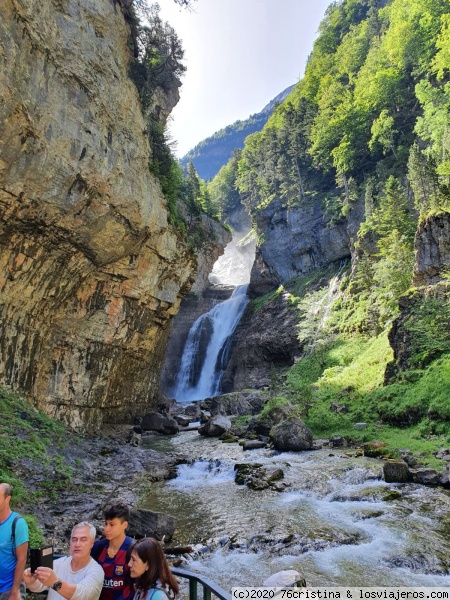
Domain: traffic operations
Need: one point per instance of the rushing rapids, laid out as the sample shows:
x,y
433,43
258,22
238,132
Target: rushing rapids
x,y
337,522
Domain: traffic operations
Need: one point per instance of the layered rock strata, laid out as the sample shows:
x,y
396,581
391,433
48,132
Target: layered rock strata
x,y
90,271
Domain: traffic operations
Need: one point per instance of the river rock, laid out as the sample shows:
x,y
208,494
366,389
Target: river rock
x,y
160,423
426,476
193,410
375,449
396,471
283,579
271,417
248,402
257,477
291,434
253,445
215,426
182,420
445,476
146,523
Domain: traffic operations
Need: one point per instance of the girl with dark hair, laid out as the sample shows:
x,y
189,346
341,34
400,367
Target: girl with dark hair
x,y
149,566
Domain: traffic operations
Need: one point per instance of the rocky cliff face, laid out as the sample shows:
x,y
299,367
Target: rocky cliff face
x,y
264,339
90,272
297,241
424,319
432,250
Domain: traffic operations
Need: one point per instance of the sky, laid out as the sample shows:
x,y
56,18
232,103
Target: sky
x,y
239,55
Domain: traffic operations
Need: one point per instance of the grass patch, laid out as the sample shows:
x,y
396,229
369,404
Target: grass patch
x,y
343,384
30,441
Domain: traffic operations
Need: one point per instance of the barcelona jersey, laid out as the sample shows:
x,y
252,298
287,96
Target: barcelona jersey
x,y
117,584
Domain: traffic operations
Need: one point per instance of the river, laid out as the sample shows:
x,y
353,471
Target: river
x,y
337,522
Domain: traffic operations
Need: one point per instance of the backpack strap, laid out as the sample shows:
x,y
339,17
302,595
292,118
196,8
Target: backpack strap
x,y
13,533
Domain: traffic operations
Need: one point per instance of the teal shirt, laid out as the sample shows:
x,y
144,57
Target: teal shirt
x,y
156,594
8,558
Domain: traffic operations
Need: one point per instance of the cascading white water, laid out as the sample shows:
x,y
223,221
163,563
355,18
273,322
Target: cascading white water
x,y
222,320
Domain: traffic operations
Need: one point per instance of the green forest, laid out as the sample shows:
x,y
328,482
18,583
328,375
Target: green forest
x,y
368,125
212,153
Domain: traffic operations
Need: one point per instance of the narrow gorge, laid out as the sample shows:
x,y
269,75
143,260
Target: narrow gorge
x,y
266,354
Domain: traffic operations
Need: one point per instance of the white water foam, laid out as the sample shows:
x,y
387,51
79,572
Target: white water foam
x,y
201,474
223,319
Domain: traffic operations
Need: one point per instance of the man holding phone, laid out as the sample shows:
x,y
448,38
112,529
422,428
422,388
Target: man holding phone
x,y
74,577
13,547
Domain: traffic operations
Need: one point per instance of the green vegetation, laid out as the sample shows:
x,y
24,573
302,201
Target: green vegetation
x,y
213,153
157,65
339,381
369,118
30,443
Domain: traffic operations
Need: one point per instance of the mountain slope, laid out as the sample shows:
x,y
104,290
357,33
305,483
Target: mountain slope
x,y
215,151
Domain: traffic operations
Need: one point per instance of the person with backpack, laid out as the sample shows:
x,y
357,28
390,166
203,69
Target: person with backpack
x,y
149,566
111,553
13,548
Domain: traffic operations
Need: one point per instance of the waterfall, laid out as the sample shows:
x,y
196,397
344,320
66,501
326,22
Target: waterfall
x,y
207,347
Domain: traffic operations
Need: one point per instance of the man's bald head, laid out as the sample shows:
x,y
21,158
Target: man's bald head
x,y
7,489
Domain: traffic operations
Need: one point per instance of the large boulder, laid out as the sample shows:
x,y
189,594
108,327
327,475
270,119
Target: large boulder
x,y
426,476
396,471
215,426
291,434
238,403
273,416
160,423
147,523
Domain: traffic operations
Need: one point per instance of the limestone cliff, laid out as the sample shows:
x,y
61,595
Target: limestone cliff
x,y
297,241
90,271
421,332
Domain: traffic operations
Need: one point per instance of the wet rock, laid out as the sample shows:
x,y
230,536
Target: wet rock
x,y
291,435
274,416
146,523
443,453
238,403
396,471
337,441
445,476
283,579
370,514
391,495
419,563
160,423
426,476
253,445
215,426
135,439
375,449
257,477
192,410
244,470
360,426
182,420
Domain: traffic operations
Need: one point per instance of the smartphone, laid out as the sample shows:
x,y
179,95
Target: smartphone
x,y
41,557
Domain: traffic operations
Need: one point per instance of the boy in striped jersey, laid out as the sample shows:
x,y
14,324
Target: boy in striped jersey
x,y
111,553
